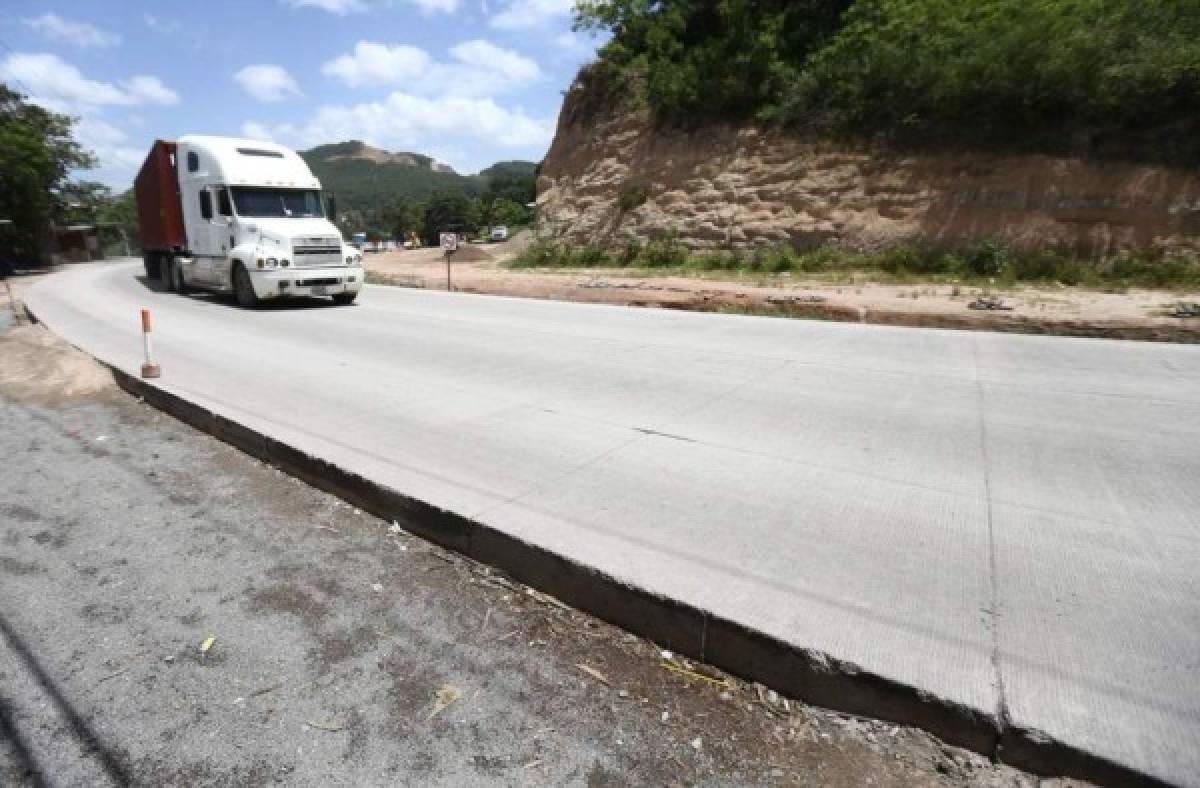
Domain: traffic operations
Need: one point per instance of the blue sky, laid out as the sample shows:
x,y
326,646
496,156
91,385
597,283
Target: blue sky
x,y
469,82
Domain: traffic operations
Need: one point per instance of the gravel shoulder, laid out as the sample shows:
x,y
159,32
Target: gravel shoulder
x,y
340,650
1136,314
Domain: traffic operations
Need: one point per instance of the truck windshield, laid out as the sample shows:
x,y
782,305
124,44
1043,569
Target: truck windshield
x,y
267,203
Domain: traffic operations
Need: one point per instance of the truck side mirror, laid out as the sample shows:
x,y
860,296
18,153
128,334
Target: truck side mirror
x,y
332,212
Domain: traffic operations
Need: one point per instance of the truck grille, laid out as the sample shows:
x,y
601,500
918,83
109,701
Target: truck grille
x,y
310,255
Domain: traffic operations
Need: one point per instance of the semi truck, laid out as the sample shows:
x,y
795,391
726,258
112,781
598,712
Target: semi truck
x,y
242,217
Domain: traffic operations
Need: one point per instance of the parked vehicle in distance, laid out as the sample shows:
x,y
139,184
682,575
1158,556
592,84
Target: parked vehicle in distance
x,y
499,233
243,217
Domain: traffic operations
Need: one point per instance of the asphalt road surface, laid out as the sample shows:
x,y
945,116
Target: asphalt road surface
x,y
1009,523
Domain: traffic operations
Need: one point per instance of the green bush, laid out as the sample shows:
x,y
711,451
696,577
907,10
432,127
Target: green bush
x,y
663,253
591,256
630,252
986,258
541,253
1124,74
632,194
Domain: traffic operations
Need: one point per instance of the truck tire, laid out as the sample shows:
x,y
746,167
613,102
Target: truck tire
x,y
150,261
344,299
243,290
177,283
166,268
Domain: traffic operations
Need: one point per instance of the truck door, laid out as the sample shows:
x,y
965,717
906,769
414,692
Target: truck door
x,y
221,229
211,228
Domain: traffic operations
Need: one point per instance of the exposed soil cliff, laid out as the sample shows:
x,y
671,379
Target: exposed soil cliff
x,y
725,187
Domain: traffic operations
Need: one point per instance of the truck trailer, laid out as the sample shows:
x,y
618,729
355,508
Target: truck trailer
x,y
243,217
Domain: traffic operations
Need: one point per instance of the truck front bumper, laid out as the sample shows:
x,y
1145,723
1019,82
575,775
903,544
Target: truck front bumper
x,y
299,282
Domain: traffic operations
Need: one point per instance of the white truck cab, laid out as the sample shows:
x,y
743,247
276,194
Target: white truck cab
x,y
255,225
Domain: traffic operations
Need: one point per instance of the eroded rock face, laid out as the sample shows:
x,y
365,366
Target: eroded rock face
x,y
723,187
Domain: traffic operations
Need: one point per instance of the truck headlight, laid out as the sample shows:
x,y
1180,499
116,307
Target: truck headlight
x,y
358,259
349,259
272,262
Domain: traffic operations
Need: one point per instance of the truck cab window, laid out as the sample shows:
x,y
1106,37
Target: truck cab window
x,y
205,203
223,206
265,202
193,162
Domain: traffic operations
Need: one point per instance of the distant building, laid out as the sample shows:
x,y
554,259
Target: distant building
x,y
74,243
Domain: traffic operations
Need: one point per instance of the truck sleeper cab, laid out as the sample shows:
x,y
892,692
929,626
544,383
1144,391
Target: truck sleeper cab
x,y
246,217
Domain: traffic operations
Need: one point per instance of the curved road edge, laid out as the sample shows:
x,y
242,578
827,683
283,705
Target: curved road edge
x,y
805,674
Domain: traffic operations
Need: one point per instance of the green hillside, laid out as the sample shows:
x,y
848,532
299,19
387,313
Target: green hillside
x,y
509,169
398,194
1109,78
364,178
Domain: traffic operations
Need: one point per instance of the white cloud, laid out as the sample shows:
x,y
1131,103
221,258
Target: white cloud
x,y
436,6
378,64
525,14
149,90
117,160
61,87
161,25
267,82
476,68
485,55
339,7
405,121
80,34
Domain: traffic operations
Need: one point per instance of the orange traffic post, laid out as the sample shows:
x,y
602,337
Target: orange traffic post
x,y
149,368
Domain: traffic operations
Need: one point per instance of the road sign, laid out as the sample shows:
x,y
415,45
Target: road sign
x,y
449,242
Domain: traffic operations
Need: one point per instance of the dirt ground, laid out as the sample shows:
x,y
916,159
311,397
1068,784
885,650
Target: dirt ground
x,y
1136,314
173,612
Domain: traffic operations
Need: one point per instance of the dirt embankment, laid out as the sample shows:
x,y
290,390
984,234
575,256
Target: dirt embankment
x,y
723,186
1034,310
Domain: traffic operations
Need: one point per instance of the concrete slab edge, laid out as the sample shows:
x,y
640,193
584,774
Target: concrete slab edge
x,y
807,675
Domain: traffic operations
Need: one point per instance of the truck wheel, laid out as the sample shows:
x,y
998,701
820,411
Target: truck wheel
x,y
177,283
344,299
243,290
166,270
150,261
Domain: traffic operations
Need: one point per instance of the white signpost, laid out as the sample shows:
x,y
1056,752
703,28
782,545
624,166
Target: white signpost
x,y
449,243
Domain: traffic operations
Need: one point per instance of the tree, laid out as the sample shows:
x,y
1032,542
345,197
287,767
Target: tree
x,y
37,152
449,213
121,213
509,213
403,217
83,202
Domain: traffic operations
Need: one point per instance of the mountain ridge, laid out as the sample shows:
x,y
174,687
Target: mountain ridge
x,y
363,176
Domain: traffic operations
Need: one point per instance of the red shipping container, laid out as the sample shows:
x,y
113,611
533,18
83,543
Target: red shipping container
x,y
156,190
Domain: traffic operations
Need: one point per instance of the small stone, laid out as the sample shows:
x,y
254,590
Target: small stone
x,y
623,694
169,659
697,743
666,715
377,588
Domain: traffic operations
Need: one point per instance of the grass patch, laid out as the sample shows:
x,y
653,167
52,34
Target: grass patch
x,y
988,262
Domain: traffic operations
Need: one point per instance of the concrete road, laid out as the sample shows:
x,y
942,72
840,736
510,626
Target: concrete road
x,y
1009,524
127,538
